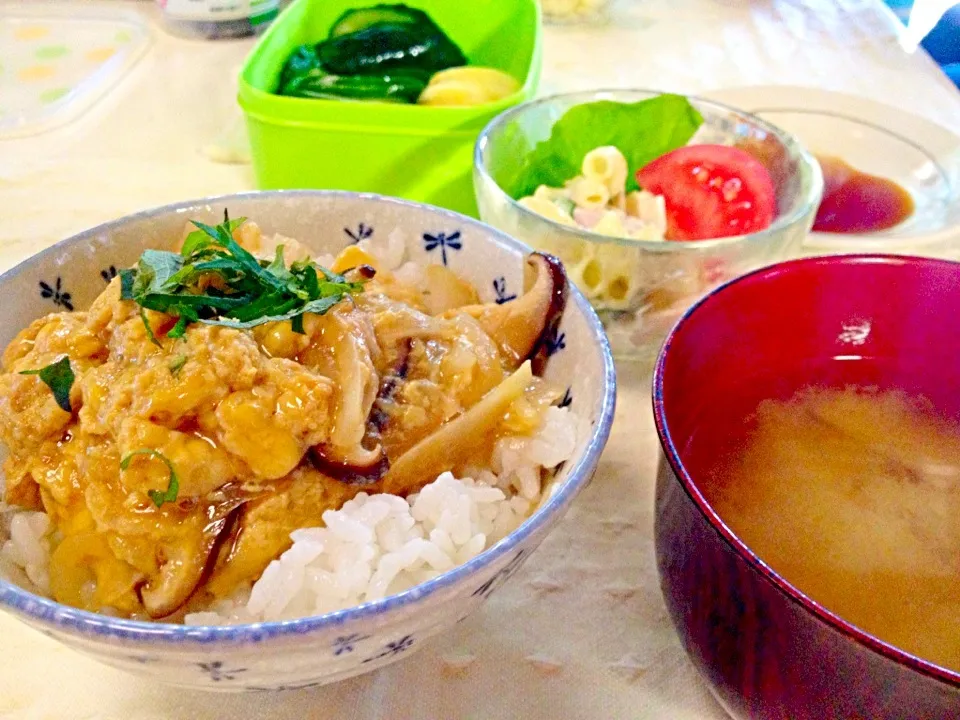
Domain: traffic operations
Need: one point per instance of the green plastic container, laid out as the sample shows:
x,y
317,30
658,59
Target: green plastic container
x,y
408,151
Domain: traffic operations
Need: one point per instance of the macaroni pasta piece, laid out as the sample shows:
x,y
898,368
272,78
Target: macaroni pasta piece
x,y
643,204
548,209
596,200
610,224
615,275
607,165
589,193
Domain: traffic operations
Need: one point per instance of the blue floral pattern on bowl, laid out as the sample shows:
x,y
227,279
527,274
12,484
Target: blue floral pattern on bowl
x,y
317,650
345,643
486,590
556,340
392,648
57,293
363,232
443,241
502,295
218,671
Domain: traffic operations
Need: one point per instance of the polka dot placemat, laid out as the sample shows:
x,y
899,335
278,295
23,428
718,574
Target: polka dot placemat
x,y
58,60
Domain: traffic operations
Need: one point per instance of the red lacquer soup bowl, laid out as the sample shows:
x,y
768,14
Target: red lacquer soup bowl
x,y
765,649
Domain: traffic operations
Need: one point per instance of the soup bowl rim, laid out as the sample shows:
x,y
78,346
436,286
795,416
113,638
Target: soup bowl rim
x,y
717,524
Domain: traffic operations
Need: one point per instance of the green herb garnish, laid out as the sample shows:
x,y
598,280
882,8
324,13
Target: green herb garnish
x,y
59,378
642,131
150,333
173,487
213,280
176,364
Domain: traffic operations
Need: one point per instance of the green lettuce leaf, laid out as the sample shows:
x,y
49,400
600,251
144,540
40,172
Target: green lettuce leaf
x,y
642,131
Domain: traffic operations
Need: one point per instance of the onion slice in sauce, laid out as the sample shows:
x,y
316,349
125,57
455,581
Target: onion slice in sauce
x,y
454,442
522,327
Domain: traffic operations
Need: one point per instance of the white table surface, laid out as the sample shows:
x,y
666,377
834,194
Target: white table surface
x,y
581,631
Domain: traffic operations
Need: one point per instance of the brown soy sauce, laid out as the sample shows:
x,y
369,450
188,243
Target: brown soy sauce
x,y
856,202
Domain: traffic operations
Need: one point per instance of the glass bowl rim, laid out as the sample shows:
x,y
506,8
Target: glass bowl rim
x,y
808,202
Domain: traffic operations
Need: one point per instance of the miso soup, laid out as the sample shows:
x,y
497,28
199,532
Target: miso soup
x,y
853,496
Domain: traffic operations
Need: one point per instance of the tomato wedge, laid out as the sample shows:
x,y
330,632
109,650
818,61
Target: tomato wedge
x,y
711,191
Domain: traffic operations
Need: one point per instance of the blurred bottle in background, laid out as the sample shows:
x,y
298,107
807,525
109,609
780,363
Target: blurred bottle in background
x,y
217,19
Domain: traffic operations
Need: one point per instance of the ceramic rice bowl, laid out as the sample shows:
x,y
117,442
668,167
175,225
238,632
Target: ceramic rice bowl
x,y
325,648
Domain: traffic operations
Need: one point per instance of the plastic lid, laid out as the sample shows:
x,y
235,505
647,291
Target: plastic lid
x,y
58,59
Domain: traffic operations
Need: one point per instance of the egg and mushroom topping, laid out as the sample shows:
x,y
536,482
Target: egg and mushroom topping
x,y
210,402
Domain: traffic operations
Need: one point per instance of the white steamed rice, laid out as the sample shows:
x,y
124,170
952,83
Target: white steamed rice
x,y
25,556
374,546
